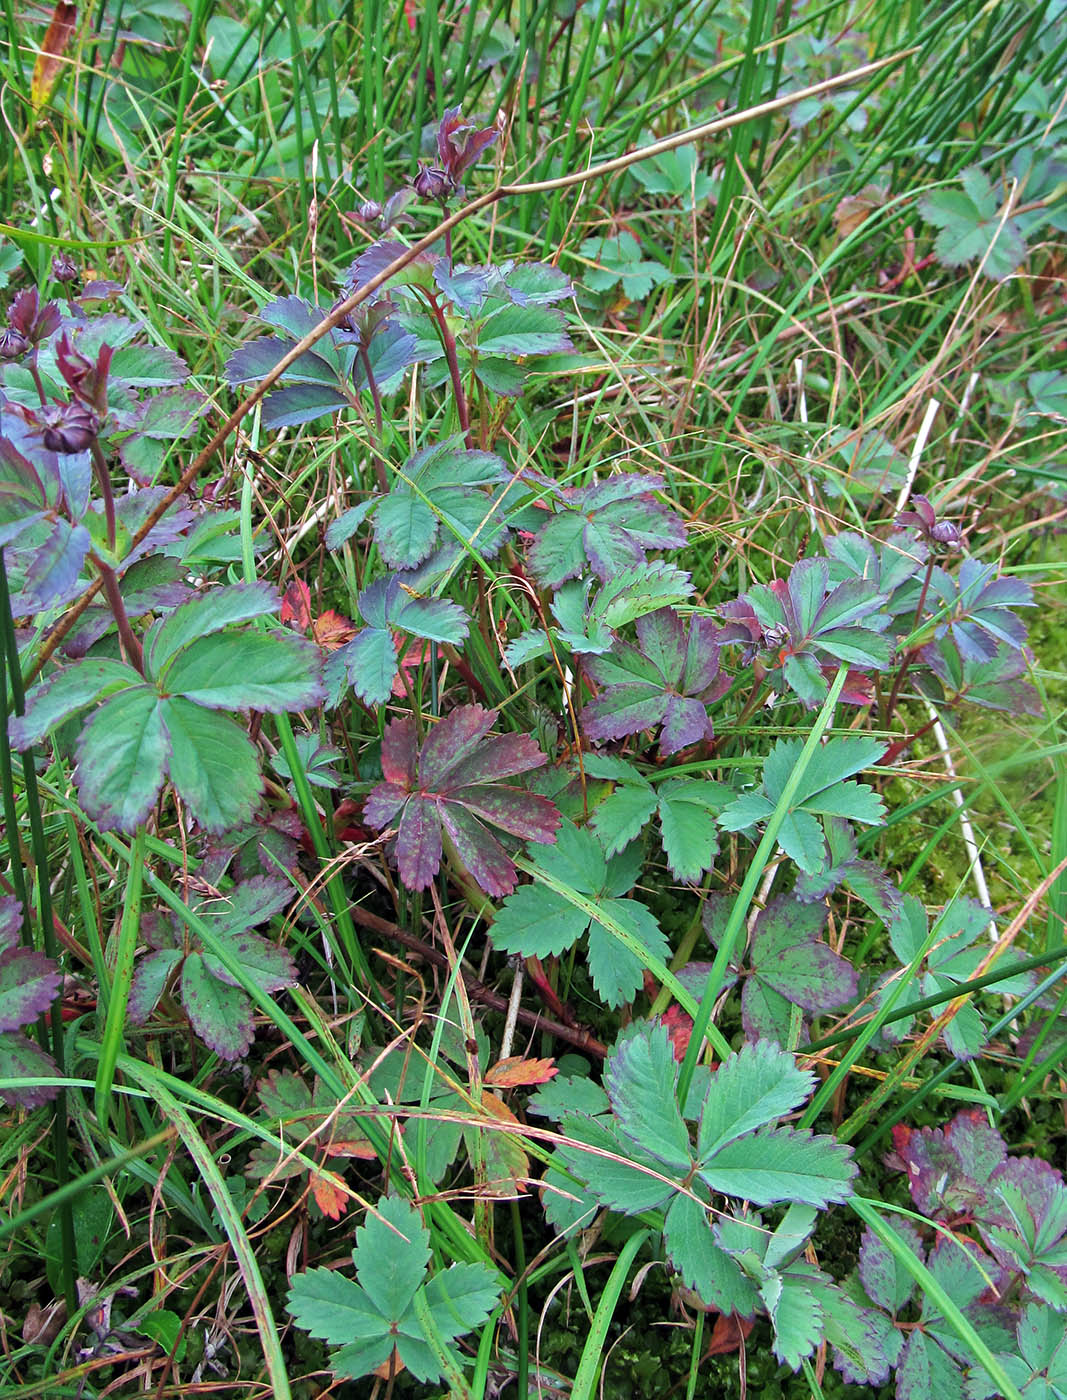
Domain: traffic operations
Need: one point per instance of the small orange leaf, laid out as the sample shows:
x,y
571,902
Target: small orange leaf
x,y
330,1195
49,63
510,1073
331,630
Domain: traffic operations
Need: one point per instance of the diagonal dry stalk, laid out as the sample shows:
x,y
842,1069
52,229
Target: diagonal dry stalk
x,y
374,284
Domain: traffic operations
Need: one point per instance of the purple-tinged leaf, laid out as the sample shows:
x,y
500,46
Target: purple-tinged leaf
x,y
66,692
149,979
885,1280
28,985
451,772
21,1058
537,284
269,967
788,955
418,841
454,739
220,1015
926,1372
668,681
949,1170
254,360
122,758
57,563
301,403
520,813
478,849
11,917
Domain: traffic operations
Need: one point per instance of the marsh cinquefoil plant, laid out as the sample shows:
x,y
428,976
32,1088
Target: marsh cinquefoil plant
x,y
530,704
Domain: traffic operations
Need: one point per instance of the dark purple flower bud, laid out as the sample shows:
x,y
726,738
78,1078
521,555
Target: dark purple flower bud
x,y
923,518
369,212
67,427
64,268
13,344
431,183
36,322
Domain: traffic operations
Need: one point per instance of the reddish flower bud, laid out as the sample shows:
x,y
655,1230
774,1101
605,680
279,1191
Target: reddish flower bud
x,y
431,183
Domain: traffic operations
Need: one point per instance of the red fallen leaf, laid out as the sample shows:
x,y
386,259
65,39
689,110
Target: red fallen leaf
x,y
409,14
510,1073
330,1196
331,630
343,828
296,605
679,1027
728,1334
54,45
409,660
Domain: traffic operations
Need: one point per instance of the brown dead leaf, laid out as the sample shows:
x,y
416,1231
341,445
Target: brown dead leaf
x,y
54,46
727,1334
854,208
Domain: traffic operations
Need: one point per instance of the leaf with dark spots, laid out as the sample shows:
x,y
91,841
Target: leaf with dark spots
x,y
22,1058
28,985
454,782
667,681
221,1015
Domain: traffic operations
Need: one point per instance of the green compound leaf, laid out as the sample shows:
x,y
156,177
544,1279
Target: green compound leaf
x,y
782,1164
391,1255
640,1078
970,226
537,920
205,615
220,1014
213,764
796,1316
703,1266
383,1307
247,671
122,759
65,693
751,1089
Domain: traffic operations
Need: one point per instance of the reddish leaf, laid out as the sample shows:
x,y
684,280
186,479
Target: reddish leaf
x,y
449,785
49,63
679,1028
728,1334
332,630
510,1073
296,605
330,1194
